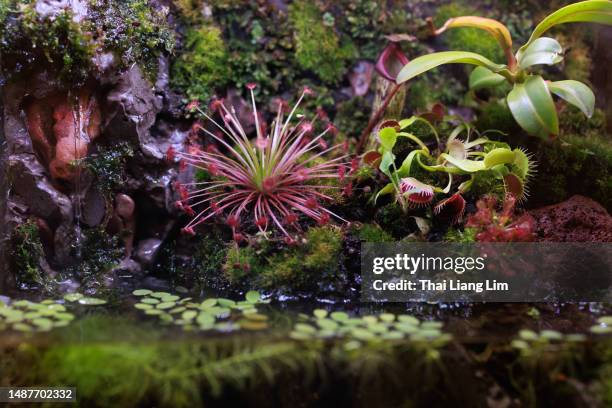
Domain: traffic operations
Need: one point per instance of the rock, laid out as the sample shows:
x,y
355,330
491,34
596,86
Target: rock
x,y
29,182
147,251
94,208
61,129
578,219
361,77
128,268
133,109
51,8
125,206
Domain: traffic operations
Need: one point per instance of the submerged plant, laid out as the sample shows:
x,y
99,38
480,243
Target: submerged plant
x,y
271,180
530,99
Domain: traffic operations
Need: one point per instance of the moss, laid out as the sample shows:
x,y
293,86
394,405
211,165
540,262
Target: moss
x,y
99,254
318,48
466,236
203,65
372,233
579,163
467,39
131,29
495,115
108,165
28,40
437,86
27,254
353,116
294,268
209,257
394,221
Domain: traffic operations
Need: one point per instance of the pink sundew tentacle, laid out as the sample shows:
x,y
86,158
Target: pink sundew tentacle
x,y
275,220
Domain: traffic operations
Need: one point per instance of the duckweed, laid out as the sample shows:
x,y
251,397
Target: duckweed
x,y
220,314
386,326
26,316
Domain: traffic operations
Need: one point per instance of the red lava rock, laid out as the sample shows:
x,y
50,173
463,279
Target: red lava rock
x,y
578,219
61,130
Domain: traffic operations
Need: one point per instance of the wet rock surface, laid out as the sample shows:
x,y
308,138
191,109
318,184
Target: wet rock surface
x,y
578,219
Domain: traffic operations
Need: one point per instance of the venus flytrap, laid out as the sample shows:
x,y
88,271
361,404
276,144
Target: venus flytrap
x,y
530,99
472,155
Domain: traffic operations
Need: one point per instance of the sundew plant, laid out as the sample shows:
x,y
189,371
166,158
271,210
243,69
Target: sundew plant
x,y
271,180
530,99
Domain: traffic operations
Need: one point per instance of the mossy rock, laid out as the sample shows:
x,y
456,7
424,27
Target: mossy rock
x,y
132,30
307,266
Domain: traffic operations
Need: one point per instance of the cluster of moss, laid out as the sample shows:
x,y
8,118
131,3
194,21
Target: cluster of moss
x,y
579,163
317,47
99,253
27,254
134,29
131,29
203,65
304,266
372,233
108,165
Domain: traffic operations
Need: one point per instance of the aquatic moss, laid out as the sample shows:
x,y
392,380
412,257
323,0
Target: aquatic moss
x,y
99,252
202,67
317,46
108,165
467,39
372,233
27,254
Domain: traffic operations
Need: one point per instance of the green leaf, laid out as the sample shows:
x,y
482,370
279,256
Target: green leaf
x,y
498,156
592,11
252,296
426,62
543,51
387,160
469,166
533,108
388,189
576,93
482,77
388,137
404,170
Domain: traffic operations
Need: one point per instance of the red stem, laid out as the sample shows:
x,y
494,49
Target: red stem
x,y
376,118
